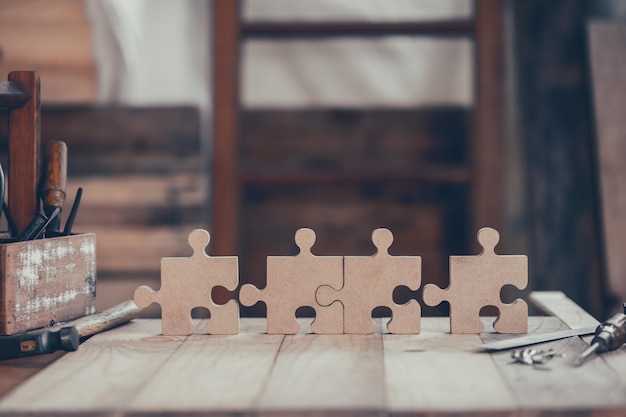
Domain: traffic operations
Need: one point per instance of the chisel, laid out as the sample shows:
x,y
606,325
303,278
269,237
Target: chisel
x,y
54,182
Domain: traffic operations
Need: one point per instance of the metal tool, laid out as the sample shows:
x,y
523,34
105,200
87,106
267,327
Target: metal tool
x,y
37,226
38,342
65,336
54,182
69,223
534,357
609,335
536,338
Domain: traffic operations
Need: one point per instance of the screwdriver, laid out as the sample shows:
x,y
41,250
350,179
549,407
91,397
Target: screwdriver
x,y
610,335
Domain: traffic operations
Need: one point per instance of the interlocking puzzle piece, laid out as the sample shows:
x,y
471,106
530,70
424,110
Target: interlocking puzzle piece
x,y
476,281
187,283
369,282
292,282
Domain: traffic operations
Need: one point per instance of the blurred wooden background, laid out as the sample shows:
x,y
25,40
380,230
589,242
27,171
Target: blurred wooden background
x,y
343,172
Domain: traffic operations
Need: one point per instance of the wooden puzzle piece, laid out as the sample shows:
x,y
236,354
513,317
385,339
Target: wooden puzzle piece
x,y
369,282
292,282
187,283
476,281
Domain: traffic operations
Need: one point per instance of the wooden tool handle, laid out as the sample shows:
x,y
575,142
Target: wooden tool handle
x,y
112,317
24,138
55,176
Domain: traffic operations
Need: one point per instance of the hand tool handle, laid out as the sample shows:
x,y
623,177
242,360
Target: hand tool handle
x,y
24,139
112,317
55,178
610,335
39,342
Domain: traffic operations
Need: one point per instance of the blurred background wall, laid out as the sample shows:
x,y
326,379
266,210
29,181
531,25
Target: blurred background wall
x,y
342,131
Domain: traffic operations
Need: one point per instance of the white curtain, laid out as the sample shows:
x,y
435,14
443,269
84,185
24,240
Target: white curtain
x,y
158,52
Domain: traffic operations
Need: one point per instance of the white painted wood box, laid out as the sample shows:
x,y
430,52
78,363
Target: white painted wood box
x,y
46,279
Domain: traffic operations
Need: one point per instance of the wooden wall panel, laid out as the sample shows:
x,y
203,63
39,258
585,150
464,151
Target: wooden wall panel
x,y
286,158
54,40
352,140
144,186
556,133
607,42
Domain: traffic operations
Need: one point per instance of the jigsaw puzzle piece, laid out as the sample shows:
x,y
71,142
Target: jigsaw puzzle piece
x,y
292,282
187,283
281,316
476,282
175,321
369,282
513,318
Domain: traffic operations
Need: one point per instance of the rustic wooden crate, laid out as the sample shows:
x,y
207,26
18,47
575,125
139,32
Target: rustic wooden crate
x,y
46,279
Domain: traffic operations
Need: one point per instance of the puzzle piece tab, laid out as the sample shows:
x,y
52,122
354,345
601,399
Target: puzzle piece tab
x,y
187,283
292,282
476,281
369,282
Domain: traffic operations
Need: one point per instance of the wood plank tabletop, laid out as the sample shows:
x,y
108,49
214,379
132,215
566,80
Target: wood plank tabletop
x,y
134,371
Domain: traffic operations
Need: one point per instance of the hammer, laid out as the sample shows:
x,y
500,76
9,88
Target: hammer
x,y
66,336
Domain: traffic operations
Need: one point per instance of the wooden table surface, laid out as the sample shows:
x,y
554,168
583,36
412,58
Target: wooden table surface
x,y
132,370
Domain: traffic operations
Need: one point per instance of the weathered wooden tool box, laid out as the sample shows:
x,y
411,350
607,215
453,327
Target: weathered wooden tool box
x,y
42,279
46,279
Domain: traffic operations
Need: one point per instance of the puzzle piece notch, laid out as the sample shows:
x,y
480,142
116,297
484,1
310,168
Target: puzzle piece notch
x,y
292,282
476,282
187,282
369,282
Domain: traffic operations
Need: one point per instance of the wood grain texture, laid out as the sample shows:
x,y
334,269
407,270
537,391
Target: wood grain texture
x,y
607,43
556,303
225,374
129,371
54,180
46,279
369,282
326,375
477,281
16,371
225,191
24,143
442,374
309,141
188,282
145,185
486,139
554,128
104,375
562,388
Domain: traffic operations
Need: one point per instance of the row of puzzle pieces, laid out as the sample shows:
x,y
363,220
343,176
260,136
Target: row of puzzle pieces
x,y
343,291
